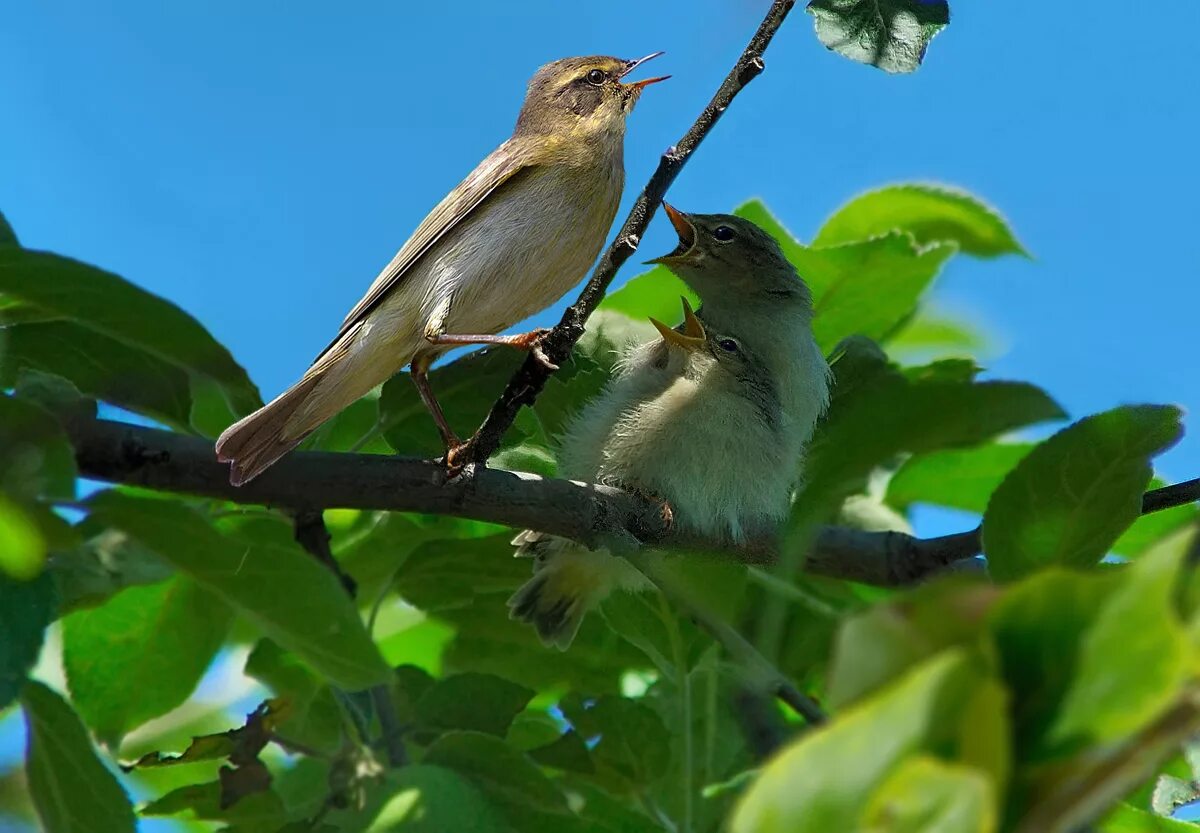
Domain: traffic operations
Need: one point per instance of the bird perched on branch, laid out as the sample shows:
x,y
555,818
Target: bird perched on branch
x,y
509,241
712,418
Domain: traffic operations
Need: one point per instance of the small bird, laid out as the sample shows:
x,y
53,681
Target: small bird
x,y
712,418
507,242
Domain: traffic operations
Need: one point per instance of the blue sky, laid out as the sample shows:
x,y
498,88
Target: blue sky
x,y
258,163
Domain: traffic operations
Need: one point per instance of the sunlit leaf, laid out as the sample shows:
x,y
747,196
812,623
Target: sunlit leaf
x,y
925,795
889,34
22,547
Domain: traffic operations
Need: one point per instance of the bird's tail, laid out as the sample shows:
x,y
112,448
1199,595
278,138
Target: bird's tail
x,y
567,582
255,442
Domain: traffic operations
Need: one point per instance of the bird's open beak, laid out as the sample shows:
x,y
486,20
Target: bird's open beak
x,y
685,230
630,66
692,338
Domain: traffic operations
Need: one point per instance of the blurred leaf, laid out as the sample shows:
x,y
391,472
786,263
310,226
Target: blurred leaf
x,y
1150,529
928,331
567,752
509,779
433,799
35,456
925,795
931,213
141,653
102,367
22,548
8,237
1171,793
876,646
606,814
633,742
821,782
1073,495
71,788
312,716
288,595
26,609
348,426
961,478
260,811
103,563
890,34
653,294
118,309
472,701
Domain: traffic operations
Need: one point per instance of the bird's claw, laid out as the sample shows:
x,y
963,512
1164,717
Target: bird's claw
x,y
457,457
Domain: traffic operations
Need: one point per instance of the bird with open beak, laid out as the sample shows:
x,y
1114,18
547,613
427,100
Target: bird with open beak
x,y
711,418
507,242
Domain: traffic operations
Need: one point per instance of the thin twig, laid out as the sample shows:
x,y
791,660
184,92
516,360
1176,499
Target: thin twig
x,y
760,670
530,378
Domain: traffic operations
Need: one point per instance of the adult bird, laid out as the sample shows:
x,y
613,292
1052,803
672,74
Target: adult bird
x,y
712,418
509,241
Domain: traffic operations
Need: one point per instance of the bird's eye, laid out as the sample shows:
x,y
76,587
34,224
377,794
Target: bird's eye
x,y
723,234
597,77
728,344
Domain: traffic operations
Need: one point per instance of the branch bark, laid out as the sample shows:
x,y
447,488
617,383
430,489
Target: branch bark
x,y
531,377
591,514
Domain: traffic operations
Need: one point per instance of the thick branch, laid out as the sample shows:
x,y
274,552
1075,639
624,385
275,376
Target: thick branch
x,y
591,514
531,377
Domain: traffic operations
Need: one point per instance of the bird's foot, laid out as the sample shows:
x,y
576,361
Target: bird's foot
x,y
458,455
532,341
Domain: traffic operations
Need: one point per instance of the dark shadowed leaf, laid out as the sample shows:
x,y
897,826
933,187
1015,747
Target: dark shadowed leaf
x,y
478,702
1069,499
104,562
141,653
261,810
633,742
8,237
312,717
26,609
101,367
294,600
889,34
931,213
864,288
433,799
118,309
71,788
36,458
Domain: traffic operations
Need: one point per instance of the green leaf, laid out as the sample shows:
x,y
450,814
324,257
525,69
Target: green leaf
x,y
1073,495
103,563
1127,819
313,717
101,367
890,34
509,779
928,333
960,478
26,609
885,414
925,795
114,307
1149,530
821,782
284,592
633,742
22,548
36,458
8,237
653,294
71,789
472,701
433,799
259,811
865,288
141,653
931,213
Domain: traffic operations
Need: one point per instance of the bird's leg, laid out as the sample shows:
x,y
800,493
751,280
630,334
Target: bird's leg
x,y
530,341
419,370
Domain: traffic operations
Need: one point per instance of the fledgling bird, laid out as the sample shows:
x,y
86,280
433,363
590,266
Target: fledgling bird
x,y
712,418
507,242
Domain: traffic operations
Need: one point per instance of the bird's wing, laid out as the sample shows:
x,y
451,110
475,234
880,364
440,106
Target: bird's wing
x,y
500,166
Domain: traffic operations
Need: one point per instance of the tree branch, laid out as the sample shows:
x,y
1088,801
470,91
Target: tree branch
x,y
591,514
531,377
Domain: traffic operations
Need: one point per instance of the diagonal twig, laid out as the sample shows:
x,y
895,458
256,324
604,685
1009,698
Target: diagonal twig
x,y
531,377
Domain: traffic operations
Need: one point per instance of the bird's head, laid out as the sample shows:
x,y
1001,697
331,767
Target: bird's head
x,y
582,96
